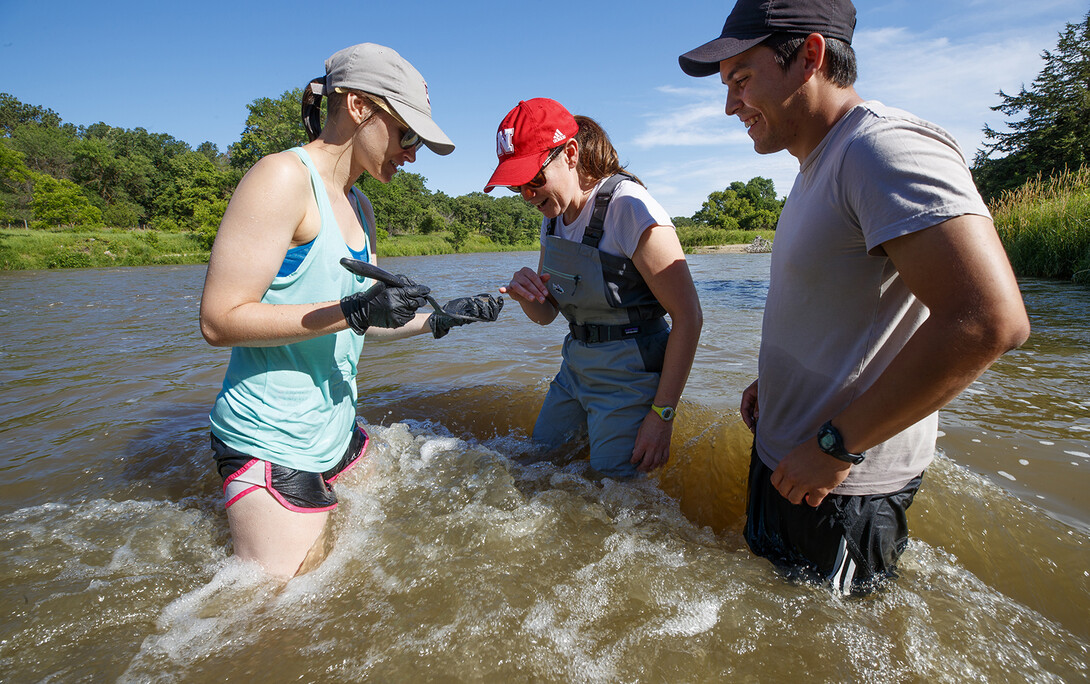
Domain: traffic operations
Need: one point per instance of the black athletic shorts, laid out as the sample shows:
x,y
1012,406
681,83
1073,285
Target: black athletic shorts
x,y
851,542
296,490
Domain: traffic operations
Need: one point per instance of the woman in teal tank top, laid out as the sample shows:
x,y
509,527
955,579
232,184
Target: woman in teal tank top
x,y
283,426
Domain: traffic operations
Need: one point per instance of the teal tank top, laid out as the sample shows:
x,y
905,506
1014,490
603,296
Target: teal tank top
x,y
295,405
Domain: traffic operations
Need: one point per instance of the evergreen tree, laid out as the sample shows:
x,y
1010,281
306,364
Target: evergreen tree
x,y
1054,131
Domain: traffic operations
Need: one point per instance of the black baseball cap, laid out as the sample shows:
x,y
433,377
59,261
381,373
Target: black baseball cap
x,y
752,21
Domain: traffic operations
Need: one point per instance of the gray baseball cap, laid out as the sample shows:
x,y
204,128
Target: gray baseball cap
x,y
380,70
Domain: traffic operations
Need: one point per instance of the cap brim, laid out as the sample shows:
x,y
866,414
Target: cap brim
x,y
433,136
517,170
704,60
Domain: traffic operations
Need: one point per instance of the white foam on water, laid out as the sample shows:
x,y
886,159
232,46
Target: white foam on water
x,y
452,558
694,617
204,621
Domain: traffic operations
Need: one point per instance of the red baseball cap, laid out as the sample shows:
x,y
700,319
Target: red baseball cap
x,y
525,137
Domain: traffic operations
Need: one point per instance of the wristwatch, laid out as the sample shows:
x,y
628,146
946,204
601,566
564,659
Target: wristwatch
x,y
830,441
667,413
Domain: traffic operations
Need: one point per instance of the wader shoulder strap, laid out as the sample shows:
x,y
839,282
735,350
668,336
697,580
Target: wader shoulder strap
x,y
593,234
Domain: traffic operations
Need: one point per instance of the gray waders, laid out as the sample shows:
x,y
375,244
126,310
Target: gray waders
x,y
613,355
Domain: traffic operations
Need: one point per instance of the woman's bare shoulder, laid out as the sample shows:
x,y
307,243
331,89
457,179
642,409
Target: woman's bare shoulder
x,y
282,168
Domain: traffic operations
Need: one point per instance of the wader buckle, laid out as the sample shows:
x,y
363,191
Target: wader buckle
x,y
592,333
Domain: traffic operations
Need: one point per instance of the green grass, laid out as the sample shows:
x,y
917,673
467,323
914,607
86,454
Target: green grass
x,y
22,249
695,236
439,243
1045,226
38,249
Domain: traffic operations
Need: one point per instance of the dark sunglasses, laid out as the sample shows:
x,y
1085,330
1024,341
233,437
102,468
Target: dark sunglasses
x,y
538,180
410,139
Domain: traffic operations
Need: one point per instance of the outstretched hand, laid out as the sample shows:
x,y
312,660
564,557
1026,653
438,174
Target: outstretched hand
x,y
483,308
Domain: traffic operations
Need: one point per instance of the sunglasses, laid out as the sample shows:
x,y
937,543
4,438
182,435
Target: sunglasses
x,y
410,139
538,180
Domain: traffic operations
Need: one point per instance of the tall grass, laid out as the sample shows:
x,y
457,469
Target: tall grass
x,y
1045,226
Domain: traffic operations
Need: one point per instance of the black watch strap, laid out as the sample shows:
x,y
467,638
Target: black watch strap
x,y
831,442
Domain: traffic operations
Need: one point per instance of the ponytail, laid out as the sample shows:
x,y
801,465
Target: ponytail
x,y
597,156
312,110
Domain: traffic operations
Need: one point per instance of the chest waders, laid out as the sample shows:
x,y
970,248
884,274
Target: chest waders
x,y
613,355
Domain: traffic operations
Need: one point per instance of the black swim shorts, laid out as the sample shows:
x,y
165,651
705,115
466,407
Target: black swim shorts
x,y
296,490
850,542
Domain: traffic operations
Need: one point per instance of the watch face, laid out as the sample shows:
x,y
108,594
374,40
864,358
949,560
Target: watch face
x,y
826,441
668,413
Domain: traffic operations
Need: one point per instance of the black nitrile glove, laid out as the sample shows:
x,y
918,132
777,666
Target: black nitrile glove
x,y
483,306
384,306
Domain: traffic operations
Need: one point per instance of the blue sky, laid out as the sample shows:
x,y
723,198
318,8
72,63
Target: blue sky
x,y
190,69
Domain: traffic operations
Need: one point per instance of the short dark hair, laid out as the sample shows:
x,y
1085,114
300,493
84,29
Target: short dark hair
x,y
839,56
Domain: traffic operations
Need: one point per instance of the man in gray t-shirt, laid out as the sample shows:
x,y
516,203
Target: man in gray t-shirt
x,y
890,293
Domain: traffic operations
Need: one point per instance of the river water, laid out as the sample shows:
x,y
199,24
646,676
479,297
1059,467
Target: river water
x,y
453,559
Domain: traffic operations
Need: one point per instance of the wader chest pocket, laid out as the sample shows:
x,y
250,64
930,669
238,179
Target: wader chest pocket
x,y
562,283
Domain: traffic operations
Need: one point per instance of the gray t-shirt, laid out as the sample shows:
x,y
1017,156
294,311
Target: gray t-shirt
x,y
837,310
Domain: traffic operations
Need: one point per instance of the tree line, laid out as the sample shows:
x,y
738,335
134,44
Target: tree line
x,y
55,174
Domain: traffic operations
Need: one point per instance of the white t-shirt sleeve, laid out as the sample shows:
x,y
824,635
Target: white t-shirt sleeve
x,y
632,211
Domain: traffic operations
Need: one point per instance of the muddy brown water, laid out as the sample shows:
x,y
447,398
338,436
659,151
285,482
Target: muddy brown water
x,y
452,559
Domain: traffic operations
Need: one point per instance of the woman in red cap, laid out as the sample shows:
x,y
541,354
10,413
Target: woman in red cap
x,y
610,263
284,424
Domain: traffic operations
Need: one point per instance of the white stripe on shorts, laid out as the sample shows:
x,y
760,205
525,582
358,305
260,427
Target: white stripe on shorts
x,y
843,569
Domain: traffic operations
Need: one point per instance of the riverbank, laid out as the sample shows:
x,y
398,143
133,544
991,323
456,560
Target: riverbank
x,y
720,249
24,249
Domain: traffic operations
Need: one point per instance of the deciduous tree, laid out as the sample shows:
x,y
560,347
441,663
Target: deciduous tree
x,y
273,125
